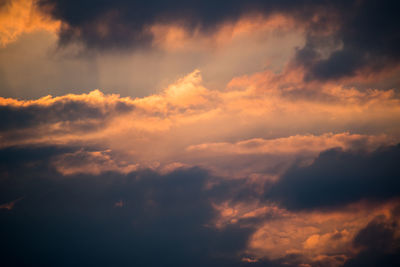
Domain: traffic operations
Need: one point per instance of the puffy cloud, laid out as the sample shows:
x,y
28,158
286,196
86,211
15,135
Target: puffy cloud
x,y
259,125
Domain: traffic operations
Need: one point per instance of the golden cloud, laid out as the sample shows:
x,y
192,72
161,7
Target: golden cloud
x,y
187,124
22,16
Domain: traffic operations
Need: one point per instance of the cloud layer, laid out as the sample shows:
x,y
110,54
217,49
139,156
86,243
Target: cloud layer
x,y
199,133
272,193
358,35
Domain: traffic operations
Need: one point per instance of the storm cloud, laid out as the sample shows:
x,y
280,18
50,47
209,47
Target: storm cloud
x,y
363,33
141,218
368,34
123,23
337,178
379,243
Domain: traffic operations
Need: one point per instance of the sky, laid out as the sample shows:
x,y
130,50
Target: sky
x,y
200,133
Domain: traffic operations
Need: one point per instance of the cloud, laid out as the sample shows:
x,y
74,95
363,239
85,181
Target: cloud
x,y
367,31
331,40
344,37
244,47
58,115
270,158
186,216
255,158
338,178
308,237
20,16
257,126
75,219
123,23
93,162
293,144
378,242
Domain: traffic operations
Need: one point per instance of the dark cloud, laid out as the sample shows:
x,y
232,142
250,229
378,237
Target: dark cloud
x,y
4,3
338,178
378,243
139,219
147,219
20,166
367,29
78,114
122,23
17,156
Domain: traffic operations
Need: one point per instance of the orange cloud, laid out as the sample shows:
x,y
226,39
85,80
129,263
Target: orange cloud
x,y
95,97
173,37
255,128
254,125
20,16
314,236
295,144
